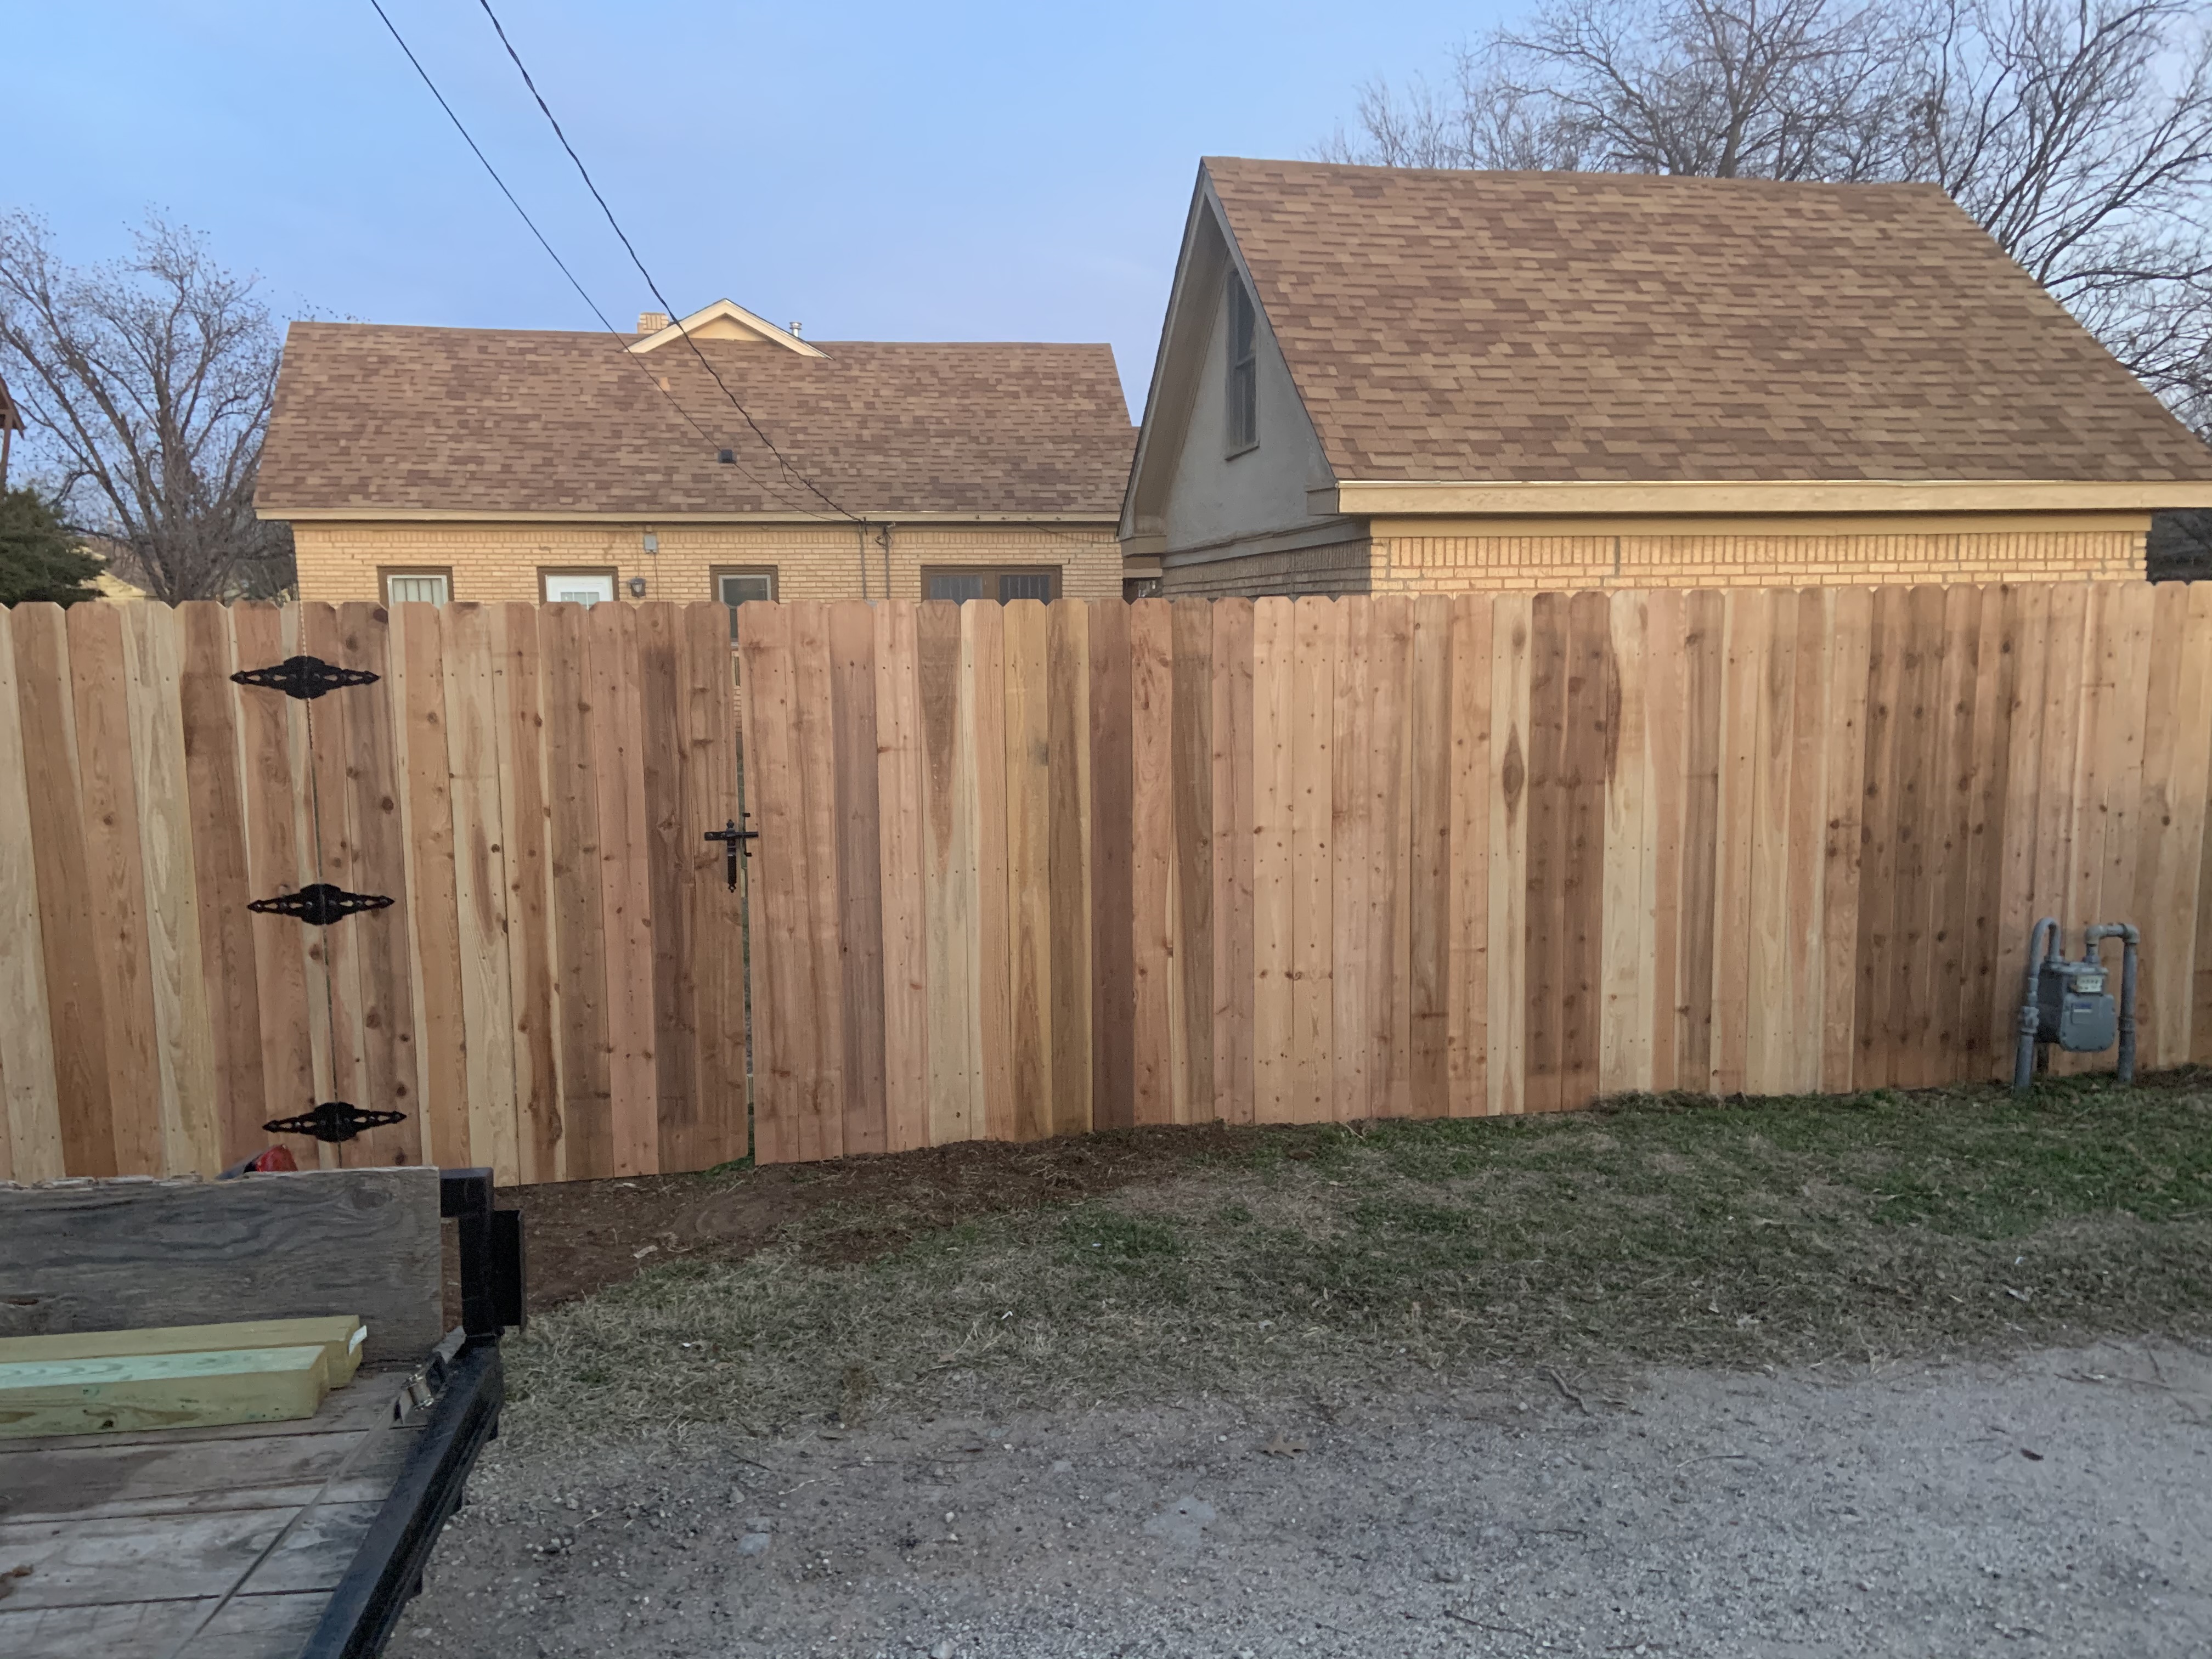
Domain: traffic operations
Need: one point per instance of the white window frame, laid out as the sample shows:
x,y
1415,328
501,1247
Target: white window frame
x,y
443,578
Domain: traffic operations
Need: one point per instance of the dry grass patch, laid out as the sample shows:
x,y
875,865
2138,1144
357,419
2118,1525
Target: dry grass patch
x,y
1656,1230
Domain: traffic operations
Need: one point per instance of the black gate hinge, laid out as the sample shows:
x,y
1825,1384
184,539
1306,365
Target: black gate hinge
x,y
304,678
319,904
332,1120
734,841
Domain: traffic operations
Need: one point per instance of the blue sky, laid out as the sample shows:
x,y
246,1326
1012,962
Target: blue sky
x,y
977,171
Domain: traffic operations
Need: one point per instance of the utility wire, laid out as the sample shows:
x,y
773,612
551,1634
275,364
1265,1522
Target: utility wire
x,y
582,293
585,174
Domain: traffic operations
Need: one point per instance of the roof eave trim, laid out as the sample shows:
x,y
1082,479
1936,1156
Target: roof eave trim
x,y
277,511
1465,498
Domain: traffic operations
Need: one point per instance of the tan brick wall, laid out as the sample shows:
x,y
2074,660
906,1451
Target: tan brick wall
x,y
1418,564
491,561
1340,568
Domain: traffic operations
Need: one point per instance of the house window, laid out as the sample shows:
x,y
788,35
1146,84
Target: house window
x,y
417,586
584,587
965,582
737,588
1243,369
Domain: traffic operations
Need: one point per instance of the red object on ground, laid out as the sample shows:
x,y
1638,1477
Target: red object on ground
x,y
276,1157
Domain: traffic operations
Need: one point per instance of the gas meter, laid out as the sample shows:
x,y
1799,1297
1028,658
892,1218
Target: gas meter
x,y
2070,1003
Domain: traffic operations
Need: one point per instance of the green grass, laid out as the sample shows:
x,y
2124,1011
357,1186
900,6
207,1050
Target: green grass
x,y
1656,1230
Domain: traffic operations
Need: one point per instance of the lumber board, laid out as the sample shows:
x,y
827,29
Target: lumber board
x,y
187,1390
1389,919
524,843
433,919
851,637
1507,787
1428,883
374,787
949,878
1192,1040
118,1255
626,884
2173,876
1659,927
1979,1051
584,1144
1544,937
1468,683
901,854
1705,645
1624,1017
1849,625
720,1129
322,745
1747,625
1153,868
115,867
1360,1064
1231,859
184,1034
672,850
1028,735
1316,630
341,1336
75,991
1113,894
1069,835
30,1128
983,713
1275,868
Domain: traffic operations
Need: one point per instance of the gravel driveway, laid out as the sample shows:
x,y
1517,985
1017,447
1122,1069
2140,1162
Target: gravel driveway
x,y
2059,1503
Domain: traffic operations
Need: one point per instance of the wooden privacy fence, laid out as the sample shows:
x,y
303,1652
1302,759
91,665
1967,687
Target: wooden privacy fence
x,y
557,991
1038,870
1043,869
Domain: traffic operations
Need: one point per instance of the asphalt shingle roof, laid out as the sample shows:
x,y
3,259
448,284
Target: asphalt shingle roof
x,y
504,420
1522,326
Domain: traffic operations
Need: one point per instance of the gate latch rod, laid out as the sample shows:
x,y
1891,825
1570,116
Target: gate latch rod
x,y
734,841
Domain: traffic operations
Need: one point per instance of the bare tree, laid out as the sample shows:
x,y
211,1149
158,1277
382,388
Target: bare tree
x,y
2078,132
147,385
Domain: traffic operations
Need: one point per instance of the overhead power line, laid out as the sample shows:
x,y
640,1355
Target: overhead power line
x,y
782,460
651,380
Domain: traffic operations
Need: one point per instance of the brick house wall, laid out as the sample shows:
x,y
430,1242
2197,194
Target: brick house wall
x,y
342,560
1393,560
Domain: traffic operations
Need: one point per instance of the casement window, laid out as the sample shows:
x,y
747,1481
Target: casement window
x,y
960,583
426,587
737,588
1243,400
584,587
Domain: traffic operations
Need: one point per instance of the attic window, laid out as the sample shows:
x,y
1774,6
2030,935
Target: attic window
x,y
1243,370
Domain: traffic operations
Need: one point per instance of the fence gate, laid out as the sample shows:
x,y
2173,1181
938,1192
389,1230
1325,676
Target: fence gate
x,y
558,992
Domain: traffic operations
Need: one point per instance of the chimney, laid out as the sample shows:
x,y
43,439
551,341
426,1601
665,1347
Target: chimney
x,y
652,322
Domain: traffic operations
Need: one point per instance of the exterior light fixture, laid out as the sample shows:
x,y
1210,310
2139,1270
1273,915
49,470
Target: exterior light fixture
x,y
637,588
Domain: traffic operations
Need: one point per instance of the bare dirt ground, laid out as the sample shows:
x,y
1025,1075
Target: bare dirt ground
x,y
2059,1502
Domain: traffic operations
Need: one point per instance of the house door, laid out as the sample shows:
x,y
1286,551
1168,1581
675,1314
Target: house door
x,y
579,586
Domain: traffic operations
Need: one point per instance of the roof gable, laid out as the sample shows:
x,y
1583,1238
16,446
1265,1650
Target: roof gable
x,y
1503,326
726,319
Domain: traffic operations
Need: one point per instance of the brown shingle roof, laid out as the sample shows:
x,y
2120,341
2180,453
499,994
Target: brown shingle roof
x,y
1591,326
512,421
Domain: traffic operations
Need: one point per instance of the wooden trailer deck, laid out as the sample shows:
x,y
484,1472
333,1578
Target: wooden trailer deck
x,y
299,1540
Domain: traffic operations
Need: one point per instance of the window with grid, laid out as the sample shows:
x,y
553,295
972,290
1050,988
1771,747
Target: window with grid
x,y
1243,369
417,586
737,588
1001,586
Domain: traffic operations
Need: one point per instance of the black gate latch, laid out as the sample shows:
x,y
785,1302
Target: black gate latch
x,y
734,842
